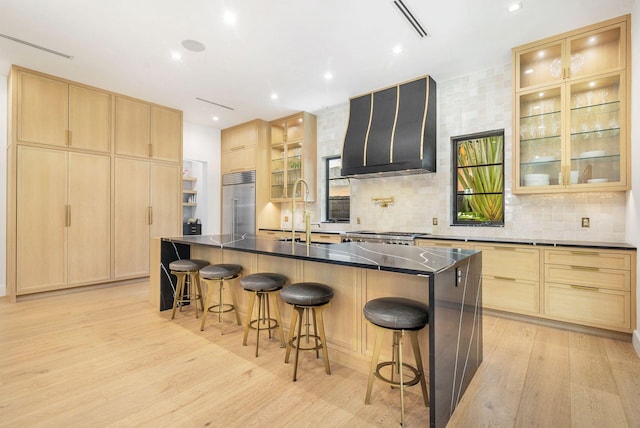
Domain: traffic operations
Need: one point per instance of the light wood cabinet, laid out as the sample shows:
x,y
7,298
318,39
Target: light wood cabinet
x,y
293,156
571,111
63,219
239,146
442,243
511,278
147,131
55,112
594,288
147,204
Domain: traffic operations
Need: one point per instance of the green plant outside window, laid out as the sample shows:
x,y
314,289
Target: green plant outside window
x,y
478,186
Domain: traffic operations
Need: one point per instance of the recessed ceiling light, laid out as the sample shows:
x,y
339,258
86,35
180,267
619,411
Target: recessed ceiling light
x,y
592,84
215,118
541,54
513,7
230,17
328,75
274,96
176,56
541,94
397,49
193,45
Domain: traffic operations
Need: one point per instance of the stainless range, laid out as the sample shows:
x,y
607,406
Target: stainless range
x,y
398,238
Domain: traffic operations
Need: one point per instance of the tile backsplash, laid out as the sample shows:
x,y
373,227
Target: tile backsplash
x,y
473,103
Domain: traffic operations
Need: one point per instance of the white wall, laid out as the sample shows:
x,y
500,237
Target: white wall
x,y
633,197
203,144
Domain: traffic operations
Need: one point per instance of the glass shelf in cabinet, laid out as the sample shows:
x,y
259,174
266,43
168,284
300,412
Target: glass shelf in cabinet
x,y
604,157
539,139
539,162
607,107
597,133
540,115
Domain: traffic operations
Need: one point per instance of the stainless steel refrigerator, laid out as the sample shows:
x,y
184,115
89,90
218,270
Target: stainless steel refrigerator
x,y
239,203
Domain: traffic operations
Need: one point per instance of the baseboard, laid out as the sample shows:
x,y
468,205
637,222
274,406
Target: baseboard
x,y
636,341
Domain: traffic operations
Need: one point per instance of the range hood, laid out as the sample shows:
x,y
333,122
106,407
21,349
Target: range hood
x,y
392,131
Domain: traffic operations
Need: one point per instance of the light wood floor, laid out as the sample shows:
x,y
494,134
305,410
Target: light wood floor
x,y
107,358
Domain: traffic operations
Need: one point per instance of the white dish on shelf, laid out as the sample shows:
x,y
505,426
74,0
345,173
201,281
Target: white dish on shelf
x,y
536,179
544,159
597,180
592,154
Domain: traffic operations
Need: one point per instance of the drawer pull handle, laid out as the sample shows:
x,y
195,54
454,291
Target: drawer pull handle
x,y
584,287
233,149
505,278
585,253
584,268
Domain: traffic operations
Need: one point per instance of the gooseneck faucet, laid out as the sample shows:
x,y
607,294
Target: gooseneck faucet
x,y
307,215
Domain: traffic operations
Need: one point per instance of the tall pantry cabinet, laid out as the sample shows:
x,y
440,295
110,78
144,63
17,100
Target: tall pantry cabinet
x,y
67,194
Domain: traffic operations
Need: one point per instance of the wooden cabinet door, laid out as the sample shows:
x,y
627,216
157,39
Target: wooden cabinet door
x,y
166,134
89,119
166,201
43,110
89,222
41,219
132,128
131,222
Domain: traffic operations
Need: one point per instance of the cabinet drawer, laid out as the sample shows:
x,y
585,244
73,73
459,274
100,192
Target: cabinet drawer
x,y
589,306
511,295
442,244
595,258
323,238
238,160
510,262
589,276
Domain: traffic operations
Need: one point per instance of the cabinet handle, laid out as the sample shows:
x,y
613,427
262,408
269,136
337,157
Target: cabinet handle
x,y
68,136
150,215
150,150
67,215
564,73
584,268
505,278
585,253
584,287
233,149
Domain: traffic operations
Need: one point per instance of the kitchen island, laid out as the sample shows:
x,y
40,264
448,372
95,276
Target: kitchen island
x,y
449,280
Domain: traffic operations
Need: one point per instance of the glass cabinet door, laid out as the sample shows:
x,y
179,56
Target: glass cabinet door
x,y
597,52
542,65
540,144
294,168
595,142
278,172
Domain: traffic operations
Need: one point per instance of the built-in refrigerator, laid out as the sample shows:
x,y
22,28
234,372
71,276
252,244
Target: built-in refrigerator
x,y
239,203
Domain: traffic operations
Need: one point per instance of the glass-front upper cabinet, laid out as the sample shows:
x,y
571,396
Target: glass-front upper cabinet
x,y
293,154
571,123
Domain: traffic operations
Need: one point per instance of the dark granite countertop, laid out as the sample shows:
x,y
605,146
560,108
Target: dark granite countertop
x,y
531,241
393,258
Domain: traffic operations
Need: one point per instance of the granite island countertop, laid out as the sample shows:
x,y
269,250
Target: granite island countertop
x,y
392,258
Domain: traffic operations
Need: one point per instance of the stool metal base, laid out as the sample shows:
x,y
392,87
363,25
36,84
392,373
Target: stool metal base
x,y
194,293
396,364
300,312
264,317
219,308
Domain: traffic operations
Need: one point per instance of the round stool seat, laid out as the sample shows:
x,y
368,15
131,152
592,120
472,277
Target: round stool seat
x,y
218,271
397,313
263,281
307,294
187,265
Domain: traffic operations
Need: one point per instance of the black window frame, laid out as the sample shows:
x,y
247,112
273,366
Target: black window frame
x,y
460,217
327,203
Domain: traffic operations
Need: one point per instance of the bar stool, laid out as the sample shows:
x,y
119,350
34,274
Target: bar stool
x,y
187,291
400,316
306,297
263,285
219,273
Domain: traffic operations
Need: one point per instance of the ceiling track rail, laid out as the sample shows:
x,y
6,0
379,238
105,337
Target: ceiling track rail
x,y
33,45
411,18
214,103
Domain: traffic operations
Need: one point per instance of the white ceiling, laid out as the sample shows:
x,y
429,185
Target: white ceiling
x,y
281,46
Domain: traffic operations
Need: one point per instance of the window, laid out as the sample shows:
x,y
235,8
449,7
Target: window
x,y
478,181
338,191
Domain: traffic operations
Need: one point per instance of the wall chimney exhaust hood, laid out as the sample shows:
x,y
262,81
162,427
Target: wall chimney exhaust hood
x,y
392,131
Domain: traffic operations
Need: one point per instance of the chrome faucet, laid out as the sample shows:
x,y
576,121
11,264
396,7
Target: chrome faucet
x,y
307,215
